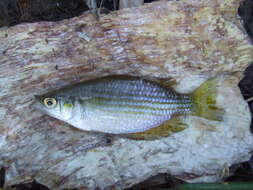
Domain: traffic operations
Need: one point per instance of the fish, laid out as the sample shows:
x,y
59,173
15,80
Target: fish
x,y
128,105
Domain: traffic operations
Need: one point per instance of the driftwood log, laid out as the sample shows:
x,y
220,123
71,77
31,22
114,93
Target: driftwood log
x,y
189,41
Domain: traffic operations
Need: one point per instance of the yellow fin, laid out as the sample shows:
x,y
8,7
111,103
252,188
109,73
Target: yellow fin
x,y
165,129
204,101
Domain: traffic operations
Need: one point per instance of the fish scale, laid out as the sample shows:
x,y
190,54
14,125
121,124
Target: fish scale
x,y
130,104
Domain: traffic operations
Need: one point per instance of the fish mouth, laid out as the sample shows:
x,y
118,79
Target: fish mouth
x,y
37,97
37,105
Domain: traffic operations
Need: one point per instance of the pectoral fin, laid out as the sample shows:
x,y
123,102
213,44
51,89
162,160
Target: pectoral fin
x,y
165,129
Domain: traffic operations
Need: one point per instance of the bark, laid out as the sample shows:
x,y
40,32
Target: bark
x,y
189,41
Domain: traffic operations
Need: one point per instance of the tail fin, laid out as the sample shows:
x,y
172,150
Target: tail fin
x,y
204,101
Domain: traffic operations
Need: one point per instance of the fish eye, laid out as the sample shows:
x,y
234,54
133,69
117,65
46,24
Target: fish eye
x,y
50,102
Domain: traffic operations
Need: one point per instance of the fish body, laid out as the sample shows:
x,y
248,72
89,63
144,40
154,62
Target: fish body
x,y
116,105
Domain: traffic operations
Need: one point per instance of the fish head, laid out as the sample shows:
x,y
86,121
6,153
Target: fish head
x,y
60,107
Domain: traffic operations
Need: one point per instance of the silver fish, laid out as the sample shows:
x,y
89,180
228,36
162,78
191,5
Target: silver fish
x,y
124,104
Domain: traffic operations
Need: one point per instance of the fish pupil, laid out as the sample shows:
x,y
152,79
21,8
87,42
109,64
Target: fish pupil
x,y
49,103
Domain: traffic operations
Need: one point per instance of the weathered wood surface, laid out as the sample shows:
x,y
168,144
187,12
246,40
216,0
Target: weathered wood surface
x,y
189,41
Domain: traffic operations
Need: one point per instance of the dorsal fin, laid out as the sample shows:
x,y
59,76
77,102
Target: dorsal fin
x,y
163,82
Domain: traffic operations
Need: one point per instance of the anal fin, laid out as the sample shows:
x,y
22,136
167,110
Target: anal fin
x,y
173,125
